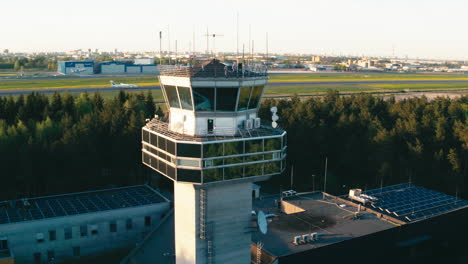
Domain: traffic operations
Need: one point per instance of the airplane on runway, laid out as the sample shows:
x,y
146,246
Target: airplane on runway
x,y
123,85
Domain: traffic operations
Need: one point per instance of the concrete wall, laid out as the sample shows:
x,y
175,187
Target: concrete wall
x,y
228,215
22,236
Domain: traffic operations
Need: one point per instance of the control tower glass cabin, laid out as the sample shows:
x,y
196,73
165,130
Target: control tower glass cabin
x,y
213,133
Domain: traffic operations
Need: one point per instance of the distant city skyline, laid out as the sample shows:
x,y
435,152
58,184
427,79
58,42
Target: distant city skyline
x,y
418,29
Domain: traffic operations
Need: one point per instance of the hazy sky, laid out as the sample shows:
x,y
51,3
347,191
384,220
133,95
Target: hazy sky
x,y
417,28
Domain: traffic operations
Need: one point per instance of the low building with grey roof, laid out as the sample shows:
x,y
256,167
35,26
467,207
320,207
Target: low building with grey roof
x,y
61,228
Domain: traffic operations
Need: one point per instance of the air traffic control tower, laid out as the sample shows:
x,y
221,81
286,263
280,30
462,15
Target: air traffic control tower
x,y
213,148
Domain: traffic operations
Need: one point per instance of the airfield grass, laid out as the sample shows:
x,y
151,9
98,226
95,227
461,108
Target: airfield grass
x,y
74,83
425,86
77,82
336,77
317,89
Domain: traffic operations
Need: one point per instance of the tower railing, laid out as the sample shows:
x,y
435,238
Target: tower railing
x,y
217,71
264,130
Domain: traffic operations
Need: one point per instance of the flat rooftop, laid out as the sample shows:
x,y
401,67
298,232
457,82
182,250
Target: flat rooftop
x,y
333,223
409,202
161,127
77,203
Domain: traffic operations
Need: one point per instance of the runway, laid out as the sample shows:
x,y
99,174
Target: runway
x,y
17,92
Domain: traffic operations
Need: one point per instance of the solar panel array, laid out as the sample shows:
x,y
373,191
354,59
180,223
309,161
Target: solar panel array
x,y
410,202
74,204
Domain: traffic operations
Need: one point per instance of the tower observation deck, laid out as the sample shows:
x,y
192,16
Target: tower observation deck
x,y
213,147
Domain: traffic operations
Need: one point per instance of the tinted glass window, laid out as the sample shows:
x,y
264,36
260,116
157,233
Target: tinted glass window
x,y
68,233
129,224
188,175
234,148
253,158
113,227
170,146
226,99
154,140
185,98
171,94
147,220
235,160
212,150
212,175
253,170
244,97
145,136
203,98
189,150
272,144
255,97
83,230
154,162
52,235
272,167
162,143
171,171
252,146
162,166
76,251
233,172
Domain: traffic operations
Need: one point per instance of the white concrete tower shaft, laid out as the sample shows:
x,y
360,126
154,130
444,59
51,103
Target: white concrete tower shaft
x,y
212,224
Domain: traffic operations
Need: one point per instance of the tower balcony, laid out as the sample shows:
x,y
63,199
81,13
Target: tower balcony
x,y
244,155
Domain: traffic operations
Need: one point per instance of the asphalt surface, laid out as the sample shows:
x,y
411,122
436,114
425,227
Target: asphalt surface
x,y
271,84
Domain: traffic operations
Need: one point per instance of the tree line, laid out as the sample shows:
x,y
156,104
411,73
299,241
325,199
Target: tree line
x,y
71,143
68,143
370,142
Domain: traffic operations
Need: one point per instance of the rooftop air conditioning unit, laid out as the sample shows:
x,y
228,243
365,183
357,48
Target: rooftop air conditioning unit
x,y
257,122
306,238
297,240
248,124
314,236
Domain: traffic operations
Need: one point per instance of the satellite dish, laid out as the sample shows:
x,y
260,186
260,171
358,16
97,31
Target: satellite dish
x,y
274,124
262,222
274,109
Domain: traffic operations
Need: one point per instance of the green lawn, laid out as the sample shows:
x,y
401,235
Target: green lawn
x,y
424,86
364,77
317,89
74,83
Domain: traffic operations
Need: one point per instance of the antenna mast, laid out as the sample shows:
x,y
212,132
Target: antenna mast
x,y
267,47
250,40
237,40
176,51
160,47
193,42
207,42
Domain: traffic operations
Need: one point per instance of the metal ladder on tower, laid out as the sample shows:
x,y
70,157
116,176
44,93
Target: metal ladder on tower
x,y
259,252
202,214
